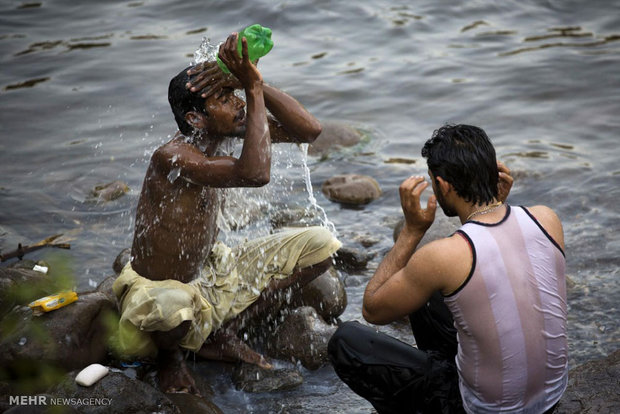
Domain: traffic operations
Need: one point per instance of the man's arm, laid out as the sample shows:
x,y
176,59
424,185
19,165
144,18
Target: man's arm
x,y
292,123
252,168
398,286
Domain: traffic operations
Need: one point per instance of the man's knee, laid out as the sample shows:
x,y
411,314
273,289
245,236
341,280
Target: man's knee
x,y
344,338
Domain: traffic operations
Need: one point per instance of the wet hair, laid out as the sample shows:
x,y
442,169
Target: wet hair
x,y
182,101
464,156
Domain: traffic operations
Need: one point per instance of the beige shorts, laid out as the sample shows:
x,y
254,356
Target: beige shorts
x,y
231,281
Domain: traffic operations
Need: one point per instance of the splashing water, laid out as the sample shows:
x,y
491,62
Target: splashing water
x,y
326,222
262,199
206,51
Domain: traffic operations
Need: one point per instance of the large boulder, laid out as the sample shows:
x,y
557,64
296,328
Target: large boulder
x,y
115,393
352,189
593,387
70,337
20,285
326,294
303,337
334,135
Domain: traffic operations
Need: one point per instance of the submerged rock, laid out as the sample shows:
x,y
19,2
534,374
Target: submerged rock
x,y
351,259
351,189
108,192
326,294
303,337
294,217
251,378
334,135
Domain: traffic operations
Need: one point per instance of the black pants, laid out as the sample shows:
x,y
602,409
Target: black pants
x,y
396,377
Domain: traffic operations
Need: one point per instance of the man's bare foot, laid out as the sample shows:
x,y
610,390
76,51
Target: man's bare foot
x,y
224,346
173,374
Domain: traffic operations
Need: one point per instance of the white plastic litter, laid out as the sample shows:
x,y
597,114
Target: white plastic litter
x,y
40,269
91,374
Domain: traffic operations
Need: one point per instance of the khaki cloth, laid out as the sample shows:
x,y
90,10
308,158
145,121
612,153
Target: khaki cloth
x,y
231,280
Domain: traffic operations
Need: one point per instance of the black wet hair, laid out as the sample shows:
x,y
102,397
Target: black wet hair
x,y
464,156
182,101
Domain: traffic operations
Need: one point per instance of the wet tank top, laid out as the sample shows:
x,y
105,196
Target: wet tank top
x,y
510,316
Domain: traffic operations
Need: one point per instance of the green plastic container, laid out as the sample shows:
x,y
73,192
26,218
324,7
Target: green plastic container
x,y
259,43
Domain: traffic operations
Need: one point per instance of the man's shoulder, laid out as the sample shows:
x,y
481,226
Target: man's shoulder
x,y
542,212
446,251
447,261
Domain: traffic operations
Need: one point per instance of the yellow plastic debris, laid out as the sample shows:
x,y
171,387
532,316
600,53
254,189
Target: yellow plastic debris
x,y
50,303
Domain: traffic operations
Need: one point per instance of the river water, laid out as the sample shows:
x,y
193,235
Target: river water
x,y
83,102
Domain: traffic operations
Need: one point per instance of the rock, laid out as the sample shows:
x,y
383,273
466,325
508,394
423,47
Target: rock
x,y
42,408
334,135
108,192
366,240
593,387
191,404
121,260
351,189
326,294
150,377
116,394
302,336
350,258
251,378
105,287
70,337
294,217
20,285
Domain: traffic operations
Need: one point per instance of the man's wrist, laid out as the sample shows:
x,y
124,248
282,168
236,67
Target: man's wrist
x,y
256,85
411,235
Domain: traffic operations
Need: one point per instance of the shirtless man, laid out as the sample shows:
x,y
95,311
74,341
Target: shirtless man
x,y
487,304
182,289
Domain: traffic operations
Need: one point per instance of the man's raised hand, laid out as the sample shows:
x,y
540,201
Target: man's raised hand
x,y
207,79
417,218
241,67
504,182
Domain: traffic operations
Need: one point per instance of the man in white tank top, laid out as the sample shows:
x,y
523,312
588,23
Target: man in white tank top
x,y
487,304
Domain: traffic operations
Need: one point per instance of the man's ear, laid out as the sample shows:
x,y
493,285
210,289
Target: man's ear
x,y
444,186
196,120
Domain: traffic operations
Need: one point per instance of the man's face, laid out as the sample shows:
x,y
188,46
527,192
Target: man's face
x,y
447,210
226,114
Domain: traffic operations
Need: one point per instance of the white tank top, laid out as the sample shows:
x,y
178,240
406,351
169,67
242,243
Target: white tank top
x,y
510,316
